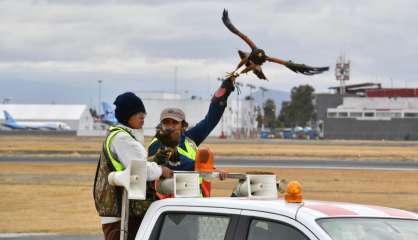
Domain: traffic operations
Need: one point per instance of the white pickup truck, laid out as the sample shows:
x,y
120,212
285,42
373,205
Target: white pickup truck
x,y
243,218
260,215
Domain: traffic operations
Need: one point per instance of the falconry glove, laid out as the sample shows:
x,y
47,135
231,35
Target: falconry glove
x,y
167,156
227,87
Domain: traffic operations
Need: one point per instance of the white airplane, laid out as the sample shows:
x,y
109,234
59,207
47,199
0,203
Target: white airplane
x,y
10,122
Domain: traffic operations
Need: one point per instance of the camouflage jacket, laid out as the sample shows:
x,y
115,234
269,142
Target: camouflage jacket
x,y
108,198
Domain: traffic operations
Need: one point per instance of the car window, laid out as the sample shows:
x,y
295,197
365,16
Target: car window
x,y
265,230
193,227
370,228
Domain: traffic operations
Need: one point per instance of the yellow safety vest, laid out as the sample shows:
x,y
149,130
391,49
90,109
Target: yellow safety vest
x,y
112,133
190,151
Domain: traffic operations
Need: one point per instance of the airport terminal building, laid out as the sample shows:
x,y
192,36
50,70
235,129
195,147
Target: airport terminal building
x,y
377,113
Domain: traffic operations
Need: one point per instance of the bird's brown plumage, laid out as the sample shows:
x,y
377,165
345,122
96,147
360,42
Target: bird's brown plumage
x,y
257,56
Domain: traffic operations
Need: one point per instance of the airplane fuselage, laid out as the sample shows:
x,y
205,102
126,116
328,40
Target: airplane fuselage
x,y
38,125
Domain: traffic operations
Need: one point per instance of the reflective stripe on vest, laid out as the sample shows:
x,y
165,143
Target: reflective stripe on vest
x,y
190,151
113,131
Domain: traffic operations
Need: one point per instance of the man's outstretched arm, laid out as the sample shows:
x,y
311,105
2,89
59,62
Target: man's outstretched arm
x,y
201,130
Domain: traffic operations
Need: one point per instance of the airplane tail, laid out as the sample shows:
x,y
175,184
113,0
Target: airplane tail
x,y
8,119
108,114
106,108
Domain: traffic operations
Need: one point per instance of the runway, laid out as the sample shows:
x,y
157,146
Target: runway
x,y
393,165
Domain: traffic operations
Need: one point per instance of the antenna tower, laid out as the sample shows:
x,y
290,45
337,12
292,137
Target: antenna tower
x,y
342,72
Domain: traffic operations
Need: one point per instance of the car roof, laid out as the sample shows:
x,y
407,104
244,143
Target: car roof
x,y
323,209
309,209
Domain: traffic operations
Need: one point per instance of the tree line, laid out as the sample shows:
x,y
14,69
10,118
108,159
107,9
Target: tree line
x,y
299,111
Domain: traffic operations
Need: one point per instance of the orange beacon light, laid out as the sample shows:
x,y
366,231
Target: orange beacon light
x,y
204,160
293,192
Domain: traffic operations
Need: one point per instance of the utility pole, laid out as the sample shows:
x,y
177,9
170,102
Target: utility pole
x,y
263,90
252,110
100,96
251,87
238,133
175,79
342,72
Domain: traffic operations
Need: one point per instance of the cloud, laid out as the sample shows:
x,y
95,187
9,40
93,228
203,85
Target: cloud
x,y
48,41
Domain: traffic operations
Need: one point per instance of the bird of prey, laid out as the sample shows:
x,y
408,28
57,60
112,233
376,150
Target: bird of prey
x,y
257,56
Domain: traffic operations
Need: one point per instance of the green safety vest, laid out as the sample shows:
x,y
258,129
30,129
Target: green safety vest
x,y
108,198
191,148
112,133
190,152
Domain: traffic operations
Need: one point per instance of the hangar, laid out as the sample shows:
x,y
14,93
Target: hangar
x,y
78,117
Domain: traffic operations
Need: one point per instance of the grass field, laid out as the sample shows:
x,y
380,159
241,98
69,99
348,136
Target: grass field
x,y
41,197
52,197
286,149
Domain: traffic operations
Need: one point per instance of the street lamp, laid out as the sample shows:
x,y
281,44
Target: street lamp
x,y
238,85
175,79
263,90
252,113
251,87
100,96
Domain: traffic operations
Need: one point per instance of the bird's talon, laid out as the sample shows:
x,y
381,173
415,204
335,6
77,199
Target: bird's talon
x,y
232,74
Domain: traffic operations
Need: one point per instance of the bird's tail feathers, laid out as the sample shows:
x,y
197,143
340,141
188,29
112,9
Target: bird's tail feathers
x,y
305,69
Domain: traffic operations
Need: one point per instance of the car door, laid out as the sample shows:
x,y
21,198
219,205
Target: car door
x,y
266,226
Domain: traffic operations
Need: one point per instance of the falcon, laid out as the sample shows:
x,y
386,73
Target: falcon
x,y
254,59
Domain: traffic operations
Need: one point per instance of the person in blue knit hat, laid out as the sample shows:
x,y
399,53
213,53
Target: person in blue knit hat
x,y
123,144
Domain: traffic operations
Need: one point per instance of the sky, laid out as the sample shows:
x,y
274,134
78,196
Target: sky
x,y
57,51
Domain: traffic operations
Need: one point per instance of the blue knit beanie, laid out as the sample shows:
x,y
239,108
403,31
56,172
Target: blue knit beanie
x,y
127,104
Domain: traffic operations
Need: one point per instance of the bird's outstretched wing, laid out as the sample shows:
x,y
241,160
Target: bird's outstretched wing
x,y
234,30
298,68
243,54
259,73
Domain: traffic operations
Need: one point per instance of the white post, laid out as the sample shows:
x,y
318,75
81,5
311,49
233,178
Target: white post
x,y
125,216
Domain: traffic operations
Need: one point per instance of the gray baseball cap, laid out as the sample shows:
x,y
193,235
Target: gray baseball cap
x,y
173,113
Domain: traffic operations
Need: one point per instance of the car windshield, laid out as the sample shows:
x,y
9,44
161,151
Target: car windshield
x,y
370,228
